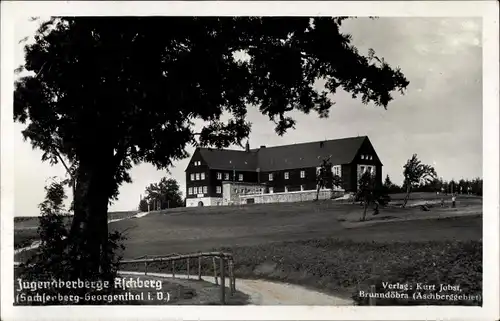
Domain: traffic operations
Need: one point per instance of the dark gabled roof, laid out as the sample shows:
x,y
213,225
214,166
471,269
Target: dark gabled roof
x,y
303,155
229,159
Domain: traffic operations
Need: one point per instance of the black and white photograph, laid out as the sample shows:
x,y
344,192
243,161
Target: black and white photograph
x,y
242,160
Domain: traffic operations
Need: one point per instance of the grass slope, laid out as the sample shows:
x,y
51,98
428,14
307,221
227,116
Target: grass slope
x,y
25,228
321,245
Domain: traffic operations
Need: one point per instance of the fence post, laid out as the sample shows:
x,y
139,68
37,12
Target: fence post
x,y
173,269
215,270
187,267
199,267
371,299
222,281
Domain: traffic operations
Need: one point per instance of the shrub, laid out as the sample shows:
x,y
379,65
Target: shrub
x,y
52,261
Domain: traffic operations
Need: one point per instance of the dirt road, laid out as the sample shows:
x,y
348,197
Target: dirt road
x,y
263,292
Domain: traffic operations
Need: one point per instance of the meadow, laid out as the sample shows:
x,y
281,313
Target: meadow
x,y
323,245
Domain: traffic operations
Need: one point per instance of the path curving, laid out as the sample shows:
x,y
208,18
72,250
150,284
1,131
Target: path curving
x,y
262,292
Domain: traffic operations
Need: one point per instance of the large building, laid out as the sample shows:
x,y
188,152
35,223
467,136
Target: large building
x,y
278,169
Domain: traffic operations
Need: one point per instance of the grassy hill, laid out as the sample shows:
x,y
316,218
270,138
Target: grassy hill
x,y
323,245
198,229
25,227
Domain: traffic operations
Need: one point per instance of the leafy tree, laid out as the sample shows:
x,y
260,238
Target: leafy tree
x,y
453,186
462,186
389,186
415,173
366,191
52,260
477,186
165,194
388,182
109,92
143,205
325,177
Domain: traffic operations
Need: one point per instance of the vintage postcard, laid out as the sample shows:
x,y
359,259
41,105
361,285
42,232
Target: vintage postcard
x,y
249,160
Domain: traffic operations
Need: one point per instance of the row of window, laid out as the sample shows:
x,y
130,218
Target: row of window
x,y
198,176
367,157
202,190
197,163
368,169
287,175
201,176
271,189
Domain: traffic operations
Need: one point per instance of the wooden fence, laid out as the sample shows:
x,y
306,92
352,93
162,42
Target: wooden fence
x,y
225,260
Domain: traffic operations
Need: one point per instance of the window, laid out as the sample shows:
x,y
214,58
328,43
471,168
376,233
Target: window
x,y
202,176
362,156
336,170
302,174
205,189
301,187
370,169
271,190
219,176
242,191
190,191
197,176
371,157
192,177
362,169
286,189
226,176
219,189
287,175
270,177
198,190
240,177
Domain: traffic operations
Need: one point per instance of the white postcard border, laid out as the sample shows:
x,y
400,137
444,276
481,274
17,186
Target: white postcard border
x,y
487,10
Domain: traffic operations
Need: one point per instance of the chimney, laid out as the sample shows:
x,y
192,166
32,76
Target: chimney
x,y
247,146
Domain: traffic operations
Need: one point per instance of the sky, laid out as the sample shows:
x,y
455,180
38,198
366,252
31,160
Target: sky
x,y
439,118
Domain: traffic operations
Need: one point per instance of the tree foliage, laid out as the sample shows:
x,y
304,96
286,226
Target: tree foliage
x,y
325,178
109,92
164,194
52,261
143,205
366,192
389,186
416,173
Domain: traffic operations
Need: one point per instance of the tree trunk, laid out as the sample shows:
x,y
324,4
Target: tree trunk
x,y
408,191
89,231
364,211
317,192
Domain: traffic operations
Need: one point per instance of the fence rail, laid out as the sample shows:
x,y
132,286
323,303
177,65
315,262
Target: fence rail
x,y
225,260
